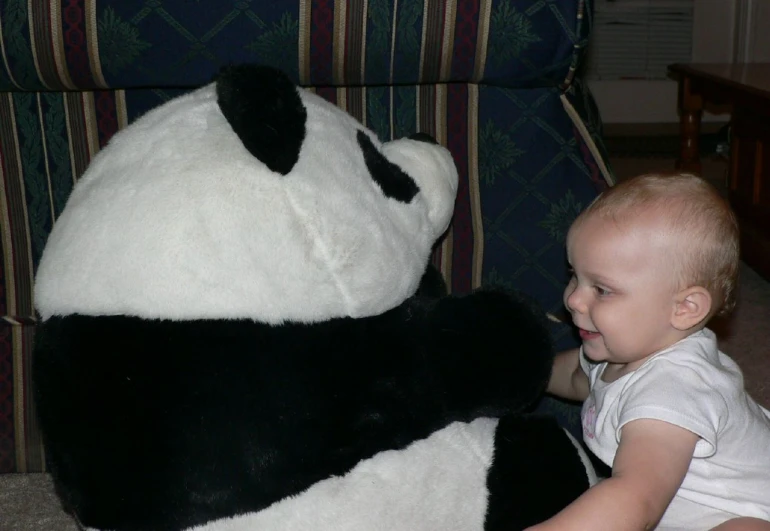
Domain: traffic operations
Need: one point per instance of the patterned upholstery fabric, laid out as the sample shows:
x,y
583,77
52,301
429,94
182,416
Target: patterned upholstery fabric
x,y
487,78
55,45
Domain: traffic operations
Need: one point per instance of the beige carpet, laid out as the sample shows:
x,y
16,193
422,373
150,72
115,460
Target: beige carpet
x,y
28,503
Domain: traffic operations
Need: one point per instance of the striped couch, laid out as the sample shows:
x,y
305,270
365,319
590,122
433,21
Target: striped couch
x,y
493,80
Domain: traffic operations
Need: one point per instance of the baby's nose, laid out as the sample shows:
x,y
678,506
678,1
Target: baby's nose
x,y
574,300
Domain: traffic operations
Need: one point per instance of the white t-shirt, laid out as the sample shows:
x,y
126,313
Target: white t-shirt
x,y
693,385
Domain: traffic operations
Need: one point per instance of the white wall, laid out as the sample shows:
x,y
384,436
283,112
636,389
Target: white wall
x,y
752,43
716,38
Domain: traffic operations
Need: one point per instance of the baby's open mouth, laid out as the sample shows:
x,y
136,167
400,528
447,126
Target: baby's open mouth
x,y
587,334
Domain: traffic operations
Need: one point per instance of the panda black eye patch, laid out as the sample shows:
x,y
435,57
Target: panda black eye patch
x,y
391,179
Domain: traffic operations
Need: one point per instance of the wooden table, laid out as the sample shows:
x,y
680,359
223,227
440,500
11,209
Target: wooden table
x,y
744,91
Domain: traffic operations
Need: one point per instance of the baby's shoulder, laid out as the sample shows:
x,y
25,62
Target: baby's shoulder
x,y
698,352
695,367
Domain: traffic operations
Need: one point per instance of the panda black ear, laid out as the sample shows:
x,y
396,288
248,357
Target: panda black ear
x,y
265,110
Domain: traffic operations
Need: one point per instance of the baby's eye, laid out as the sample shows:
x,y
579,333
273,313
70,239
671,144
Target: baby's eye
x,y
601,291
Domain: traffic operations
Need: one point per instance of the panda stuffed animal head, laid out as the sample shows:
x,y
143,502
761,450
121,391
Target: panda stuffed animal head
x,y
191,212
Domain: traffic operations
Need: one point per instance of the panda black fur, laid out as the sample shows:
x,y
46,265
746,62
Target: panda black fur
x,y
335,386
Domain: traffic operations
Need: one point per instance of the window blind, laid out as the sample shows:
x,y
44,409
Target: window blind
x,y
638,39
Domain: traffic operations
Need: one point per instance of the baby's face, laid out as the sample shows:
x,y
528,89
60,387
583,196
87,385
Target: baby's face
x,y
621,295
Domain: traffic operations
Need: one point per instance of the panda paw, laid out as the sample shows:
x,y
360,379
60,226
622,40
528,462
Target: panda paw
x,y
493,351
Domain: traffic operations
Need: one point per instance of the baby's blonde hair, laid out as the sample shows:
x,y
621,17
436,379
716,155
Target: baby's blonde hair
x,y
700,222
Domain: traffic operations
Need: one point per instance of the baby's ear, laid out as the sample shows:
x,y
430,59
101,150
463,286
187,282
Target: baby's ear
x,y
692,307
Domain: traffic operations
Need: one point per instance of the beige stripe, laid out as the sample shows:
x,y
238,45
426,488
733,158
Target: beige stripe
x,y
364,23
80,152
70,144
342,98
58,46
391,88
440,128
338,49
578,121
480,63
121,110
31,22
304,43
89,121
43,141
473,185
354,32
92,38
5,58
18,401
5,226
448,43
575,50
393,51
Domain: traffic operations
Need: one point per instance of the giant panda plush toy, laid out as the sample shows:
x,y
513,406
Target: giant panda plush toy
x,y
239,334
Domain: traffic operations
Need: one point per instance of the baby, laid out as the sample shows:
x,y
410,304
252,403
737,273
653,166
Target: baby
x,y
653,259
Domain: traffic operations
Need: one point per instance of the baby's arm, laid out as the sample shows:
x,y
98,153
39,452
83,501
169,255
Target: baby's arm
x,y
567,378
649,467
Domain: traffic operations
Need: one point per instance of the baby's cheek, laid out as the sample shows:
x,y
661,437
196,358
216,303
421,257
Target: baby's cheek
x,y
605,319
616,328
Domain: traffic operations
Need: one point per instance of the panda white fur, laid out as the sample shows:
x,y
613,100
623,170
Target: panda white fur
x,y
233,337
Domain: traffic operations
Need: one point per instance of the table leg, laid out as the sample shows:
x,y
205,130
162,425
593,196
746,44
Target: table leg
x,y
690,112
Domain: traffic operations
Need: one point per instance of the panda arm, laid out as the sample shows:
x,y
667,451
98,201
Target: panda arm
x,y
427,363
488,353
433,361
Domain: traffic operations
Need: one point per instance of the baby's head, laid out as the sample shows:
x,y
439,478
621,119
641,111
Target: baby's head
x,y
696,225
